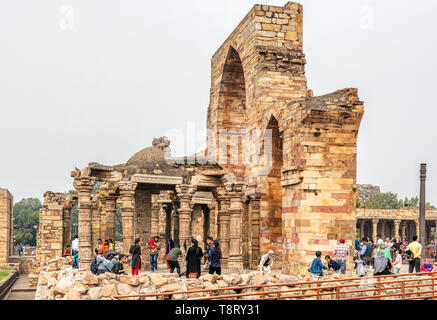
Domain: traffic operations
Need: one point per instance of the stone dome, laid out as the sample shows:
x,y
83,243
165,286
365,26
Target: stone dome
x,y
147,157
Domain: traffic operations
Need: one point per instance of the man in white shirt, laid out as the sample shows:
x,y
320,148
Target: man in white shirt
x,y
75,245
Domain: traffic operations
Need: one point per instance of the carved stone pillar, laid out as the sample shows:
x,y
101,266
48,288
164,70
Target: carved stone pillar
x,y
96,221
84,186
68,205
396,225
224,204
235,236
417,228
154,227
383,229
254,209
403,230
184,193
127,200
375,229
108,194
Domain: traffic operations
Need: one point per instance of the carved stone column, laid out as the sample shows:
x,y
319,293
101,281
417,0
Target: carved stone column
x,y
154,227
403,230
396,224
235,237
254,210
84,186
127,200
68,205
375,229
383,229
224,204
108,194
417,228
184,193
96,221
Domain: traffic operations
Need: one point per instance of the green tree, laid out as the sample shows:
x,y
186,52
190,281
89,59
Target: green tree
x,y
26,217
385,200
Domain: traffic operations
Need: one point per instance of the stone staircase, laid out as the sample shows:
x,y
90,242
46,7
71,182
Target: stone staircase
x,y
21,290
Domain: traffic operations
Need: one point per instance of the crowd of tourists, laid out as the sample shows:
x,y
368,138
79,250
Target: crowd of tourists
x,y
384,257
106,259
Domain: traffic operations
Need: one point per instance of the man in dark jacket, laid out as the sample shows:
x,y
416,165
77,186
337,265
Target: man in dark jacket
x,y
332,264
366,252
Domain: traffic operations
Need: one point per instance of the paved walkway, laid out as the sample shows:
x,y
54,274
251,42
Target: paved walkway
x,y
21,290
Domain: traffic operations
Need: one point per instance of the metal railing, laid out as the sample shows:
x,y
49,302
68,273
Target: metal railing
x,y
401,287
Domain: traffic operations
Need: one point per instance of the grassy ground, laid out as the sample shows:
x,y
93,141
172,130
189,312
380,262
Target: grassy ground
x,y
4,273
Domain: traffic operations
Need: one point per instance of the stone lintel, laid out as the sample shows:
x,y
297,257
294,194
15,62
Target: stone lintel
x,y
156,179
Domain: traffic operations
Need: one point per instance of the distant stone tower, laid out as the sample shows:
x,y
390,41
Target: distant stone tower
x,y
366,191
6,225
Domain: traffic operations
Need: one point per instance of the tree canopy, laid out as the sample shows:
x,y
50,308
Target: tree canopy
x,y
26,217
389,200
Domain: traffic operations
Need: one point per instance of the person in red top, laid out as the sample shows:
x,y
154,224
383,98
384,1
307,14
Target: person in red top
x,y
67,251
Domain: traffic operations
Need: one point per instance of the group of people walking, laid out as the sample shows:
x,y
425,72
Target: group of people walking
x,y
386,257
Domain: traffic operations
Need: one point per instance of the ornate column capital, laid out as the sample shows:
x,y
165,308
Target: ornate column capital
x,y
184,191
127,187
84,184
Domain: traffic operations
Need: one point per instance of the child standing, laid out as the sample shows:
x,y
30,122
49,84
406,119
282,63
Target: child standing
x,y
359,267
317,266
397,264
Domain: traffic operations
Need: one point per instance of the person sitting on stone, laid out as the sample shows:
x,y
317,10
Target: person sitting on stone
x,y
118,267
266,262
317,266
103,265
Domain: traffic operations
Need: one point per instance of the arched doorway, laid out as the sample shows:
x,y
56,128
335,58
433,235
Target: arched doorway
x,y
271,202
231,115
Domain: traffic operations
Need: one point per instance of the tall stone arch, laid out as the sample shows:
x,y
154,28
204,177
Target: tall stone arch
x,y
317,178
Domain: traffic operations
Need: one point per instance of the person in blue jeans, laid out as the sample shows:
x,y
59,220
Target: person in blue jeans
x,y
317,266
154,247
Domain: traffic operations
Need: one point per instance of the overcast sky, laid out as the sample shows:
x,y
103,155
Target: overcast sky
x,y
85,81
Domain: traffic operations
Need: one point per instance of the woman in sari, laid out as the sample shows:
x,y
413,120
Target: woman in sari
x,y
384,250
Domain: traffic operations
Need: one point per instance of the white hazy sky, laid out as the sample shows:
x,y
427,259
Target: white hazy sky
x,y
128,71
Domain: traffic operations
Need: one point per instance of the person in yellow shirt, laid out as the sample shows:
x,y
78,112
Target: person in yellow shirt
x,y
416,249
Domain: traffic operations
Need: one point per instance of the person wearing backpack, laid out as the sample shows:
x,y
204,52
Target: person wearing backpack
x,y
194,256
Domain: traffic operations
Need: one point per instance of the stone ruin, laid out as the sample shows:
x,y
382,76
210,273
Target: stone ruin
x,y
279,171
366,191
